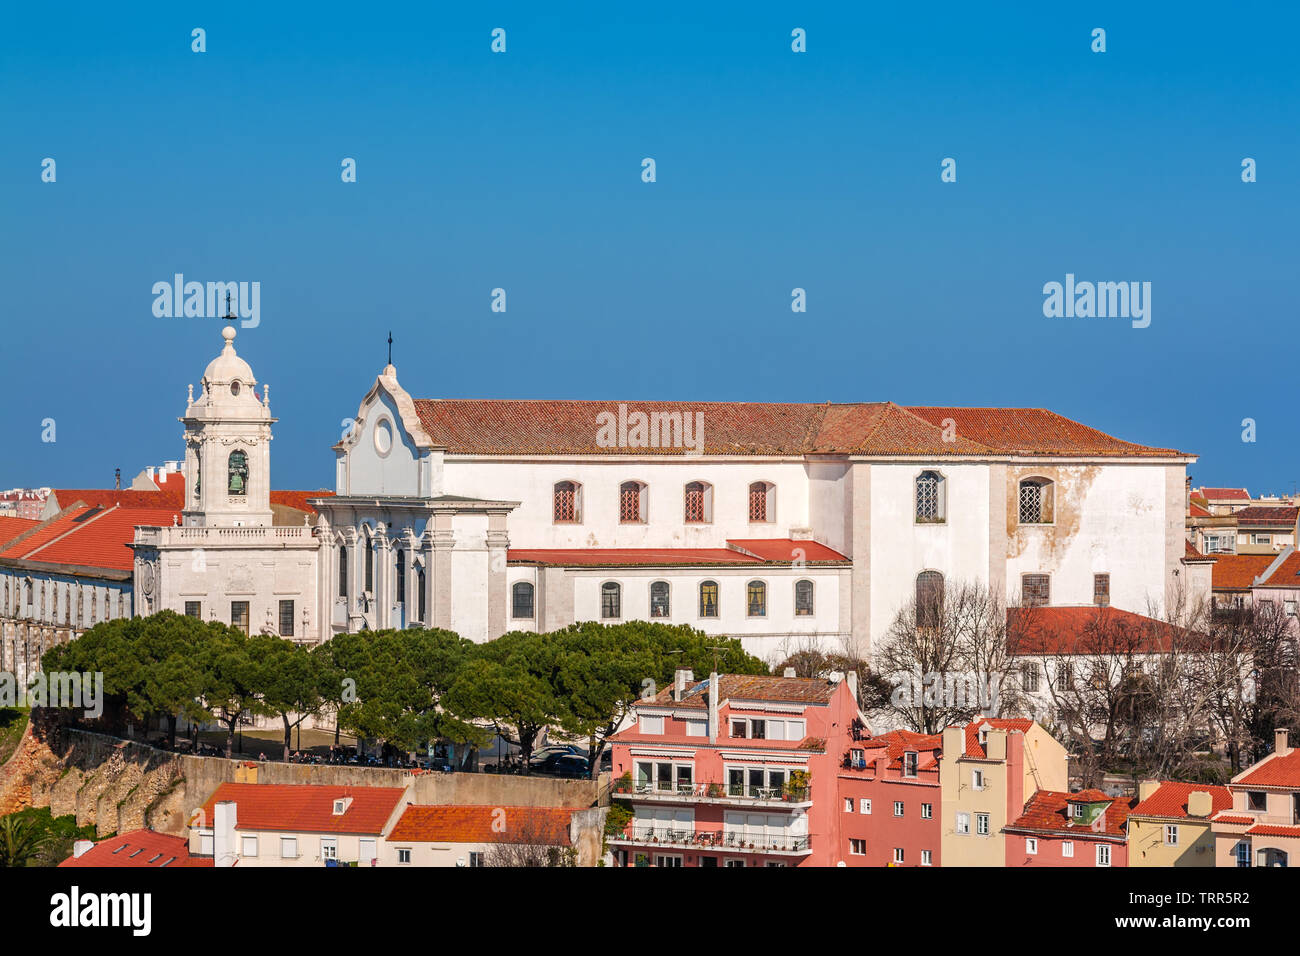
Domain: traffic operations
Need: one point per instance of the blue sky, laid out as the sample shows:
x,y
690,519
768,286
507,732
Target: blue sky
x,y
775,170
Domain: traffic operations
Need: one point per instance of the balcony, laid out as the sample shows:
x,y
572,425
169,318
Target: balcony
x,y
787,797
735,840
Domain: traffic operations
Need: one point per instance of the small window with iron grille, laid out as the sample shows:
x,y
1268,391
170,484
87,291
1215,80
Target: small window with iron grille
x,y
699,500
929,498
631,502
1101,589
566,502
1036,501
194,609
759,493
1035,589
522,600
803,598
286,619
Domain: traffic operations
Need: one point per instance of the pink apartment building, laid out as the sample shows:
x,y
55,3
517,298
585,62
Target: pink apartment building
x,y
1262,827
1087,828
891,800
737,771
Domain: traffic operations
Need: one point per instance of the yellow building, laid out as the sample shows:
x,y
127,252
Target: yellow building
x,y
988,772
1170,826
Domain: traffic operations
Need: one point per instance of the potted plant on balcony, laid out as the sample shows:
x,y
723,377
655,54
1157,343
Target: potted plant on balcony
x,y
715,790
624,783
796,788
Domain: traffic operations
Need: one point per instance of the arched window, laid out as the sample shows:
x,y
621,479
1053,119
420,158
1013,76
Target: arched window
x,y
762,502
930,504
1036,501
632,502
343,571
420,597
659,606
611,600
522,600
803,598
370,564
756,599
929,598
699,502
567,502
401,577
708,599
238,473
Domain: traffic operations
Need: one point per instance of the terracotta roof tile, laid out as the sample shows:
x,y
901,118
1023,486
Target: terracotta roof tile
x,y
1266,829
1170,799
89,537
1087,629
546,427
11,528
973,746
541,826
1047,811
1224,494
1273,771
303,808
760,687
139,848
1267,516
1237,572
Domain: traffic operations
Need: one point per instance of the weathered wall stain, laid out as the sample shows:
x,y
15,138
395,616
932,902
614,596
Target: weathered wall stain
x,y
1070,487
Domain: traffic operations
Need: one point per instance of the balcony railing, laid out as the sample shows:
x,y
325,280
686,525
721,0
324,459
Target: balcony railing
x,y
739,839
732,792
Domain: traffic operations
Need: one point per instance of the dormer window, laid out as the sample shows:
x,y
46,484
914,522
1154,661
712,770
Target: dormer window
x,y
341,806
909,763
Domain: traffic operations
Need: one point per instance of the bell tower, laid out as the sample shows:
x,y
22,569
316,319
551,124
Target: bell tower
x,y
228,445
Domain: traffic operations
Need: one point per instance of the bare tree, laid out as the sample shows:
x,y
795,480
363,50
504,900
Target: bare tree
x,y
531,838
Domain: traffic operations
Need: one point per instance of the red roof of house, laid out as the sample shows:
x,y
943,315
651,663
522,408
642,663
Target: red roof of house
x,y
1224,494
1237,572
11,528
1286,574
107,497
976,749
1273,771
541,826
1196,511
1191,554
303,808
746,551
1265,829
1229,818
139,848
528,427
1268,516
898,742
1047,810
1087,629
797,690
1170,799
89,537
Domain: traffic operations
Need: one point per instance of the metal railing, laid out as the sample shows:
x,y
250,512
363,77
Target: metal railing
x,y
714,791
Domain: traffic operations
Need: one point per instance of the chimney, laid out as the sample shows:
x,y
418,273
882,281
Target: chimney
x,y
223,833
1147,789
789,672
1280,745
682,677
713,707
117,476
81,846
954,742
1199,803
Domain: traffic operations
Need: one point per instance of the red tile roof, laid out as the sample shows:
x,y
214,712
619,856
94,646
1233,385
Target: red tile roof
x,y
523,427
11,528
1047,811
540,826
748,551
1224,494
1170,799
139,848
1087,629
1267,516
1229,818
1286,574
108,497
303,808
1273,771
89,537
928,747
742,687
1237,572
1196,511
976,749
1191,554
1265,829
299,499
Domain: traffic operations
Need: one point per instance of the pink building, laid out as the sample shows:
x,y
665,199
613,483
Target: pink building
x,y
1088,828
890,800
737,770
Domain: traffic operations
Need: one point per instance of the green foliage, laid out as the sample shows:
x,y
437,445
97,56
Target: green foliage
x,y
616,821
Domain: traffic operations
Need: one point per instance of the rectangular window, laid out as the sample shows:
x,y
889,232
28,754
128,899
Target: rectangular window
x,y
1035,589
925,857
652,725
239,615
848,804
1067,848
982,824
739,729
248,846
898,808
1256,800
286,619
194,609
927,811
1243,855
864,806
977,779
1171,834
522,595
475,859
858,847
343,572
757,729
1261,539
1031,845
404,854
963,823
709,599
696,727
898,855
909,763
1101,589
329,848
1103,855
288,848
1029,678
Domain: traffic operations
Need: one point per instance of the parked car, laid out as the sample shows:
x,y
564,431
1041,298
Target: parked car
x,y
549,753
571,765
